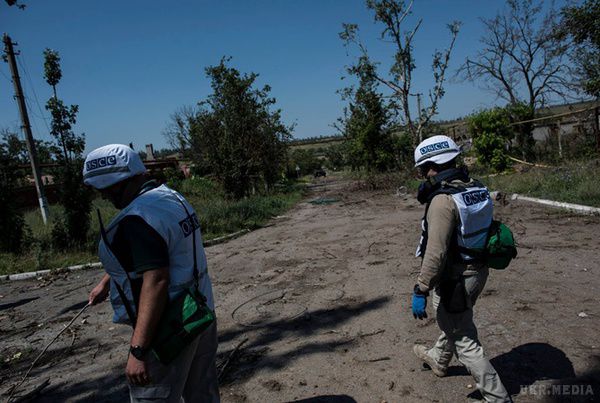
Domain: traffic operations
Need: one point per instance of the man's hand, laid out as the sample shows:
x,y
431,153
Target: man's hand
x,y
137,372
419,303
153,298
100,292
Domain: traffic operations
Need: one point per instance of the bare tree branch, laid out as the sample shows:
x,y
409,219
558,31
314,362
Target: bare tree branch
x,y
177,130
392,14
521,55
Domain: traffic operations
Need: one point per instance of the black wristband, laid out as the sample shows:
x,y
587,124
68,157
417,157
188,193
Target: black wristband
x,y
138,352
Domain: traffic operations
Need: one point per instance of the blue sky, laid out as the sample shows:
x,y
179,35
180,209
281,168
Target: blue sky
x,y
130,64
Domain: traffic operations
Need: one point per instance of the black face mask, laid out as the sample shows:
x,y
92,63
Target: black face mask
x,y
434,183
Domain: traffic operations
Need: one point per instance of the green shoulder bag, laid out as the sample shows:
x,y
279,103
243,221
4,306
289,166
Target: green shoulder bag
x,y
500,247
184,319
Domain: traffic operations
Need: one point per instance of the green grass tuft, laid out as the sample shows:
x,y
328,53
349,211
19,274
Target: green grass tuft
x,y
574,182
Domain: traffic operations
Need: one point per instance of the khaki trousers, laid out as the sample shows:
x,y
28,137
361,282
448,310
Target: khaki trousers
x,y
459,337
190,378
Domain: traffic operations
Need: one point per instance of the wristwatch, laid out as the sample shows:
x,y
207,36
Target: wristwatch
x,y
138,352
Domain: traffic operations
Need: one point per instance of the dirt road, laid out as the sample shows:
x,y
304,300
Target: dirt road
x,y
323,298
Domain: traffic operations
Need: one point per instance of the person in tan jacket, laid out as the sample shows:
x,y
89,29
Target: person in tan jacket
x,y
457,217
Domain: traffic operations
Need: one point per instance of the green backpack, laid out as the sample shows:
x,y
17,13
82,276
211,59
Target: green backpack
x,y
500,247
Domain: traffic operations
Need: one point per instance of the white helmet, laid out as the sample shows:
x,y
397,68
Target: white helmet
x,y
111,164
437,149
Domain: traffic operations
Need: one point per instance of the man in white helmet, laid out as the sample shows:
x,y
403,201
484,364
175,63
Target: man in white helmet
x,y
150,259
458,214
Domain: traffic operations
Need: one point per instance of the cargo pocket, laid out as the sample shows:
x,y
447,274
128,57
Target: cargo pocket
x,y
454,295
149,394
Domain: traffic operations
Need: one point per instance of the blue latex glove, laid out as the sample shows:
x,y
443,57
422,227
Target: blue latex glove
x,y
419,303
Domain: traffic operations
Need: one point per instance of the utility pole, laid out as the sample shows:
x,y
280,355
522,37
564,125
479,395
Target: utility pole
x,y
39,187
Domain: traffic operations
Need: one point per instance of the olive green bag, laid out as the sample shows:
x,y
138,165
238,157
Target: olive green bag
x,y
184,319
500,248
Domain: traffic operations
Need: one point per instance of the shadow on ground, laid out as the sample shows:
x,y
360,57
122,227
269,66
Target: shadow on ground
x,y
109,388
254,354
540,370
15,304
531,362
112,387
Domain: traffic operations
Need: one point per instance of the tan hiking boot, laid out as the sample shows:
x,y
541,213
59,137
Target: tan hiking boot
x,y
421,352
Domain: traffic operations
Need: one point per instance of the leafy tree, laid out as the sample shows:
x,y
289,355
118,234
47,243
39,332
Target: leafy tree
x,y
11,218
392,15
404,149
367,129
17,148
236,135
582,25
63,116
72,228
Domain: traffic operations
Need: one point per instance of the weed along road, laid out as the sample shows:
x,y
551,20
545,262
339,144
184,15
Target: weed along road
x,y
318,305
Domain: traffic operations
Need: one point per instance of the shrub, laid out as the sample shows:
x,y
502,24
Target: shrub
x,y
71,228
491,133
490,150
173,177
236,135
336,156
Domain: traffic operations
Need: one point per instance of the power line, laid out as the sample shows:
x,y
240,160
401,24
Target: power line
x,y
37,129
23,65
5,76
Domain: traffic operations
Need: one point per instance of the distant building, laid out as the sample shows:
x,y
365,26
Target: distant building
x,y
577,118
569,119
